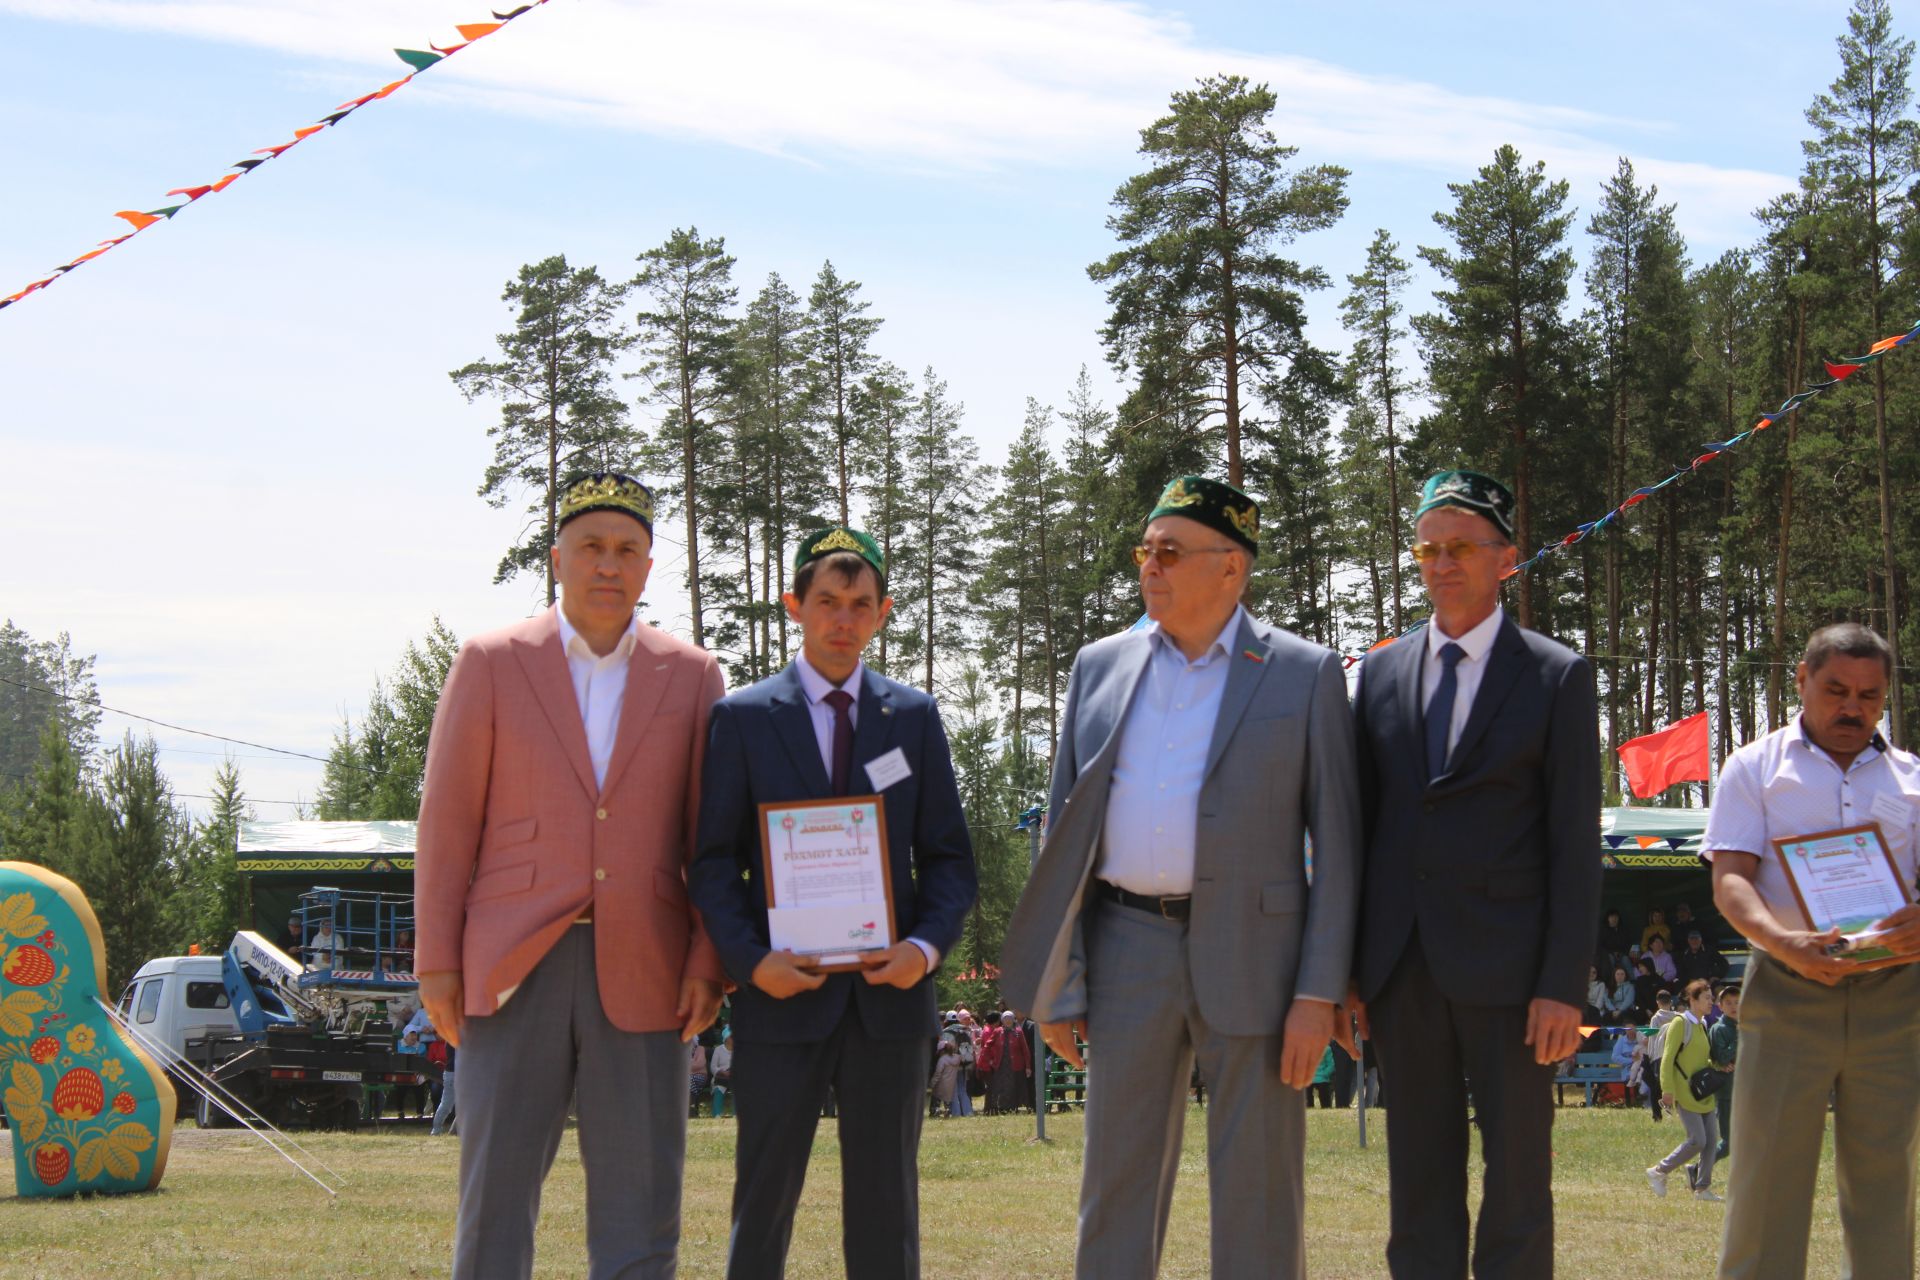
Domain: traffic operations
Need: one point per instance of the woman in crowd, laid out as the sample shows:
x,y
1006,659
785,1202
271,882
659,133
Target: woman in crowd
x,y
1656,928
1662,962
1617,1009
1684,1050
1596,997
946,1076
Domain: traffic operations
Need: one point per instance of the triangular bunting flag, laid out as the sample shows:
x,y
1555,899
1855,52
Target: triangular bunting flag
x,y
140,221
471,31
1840,372
418,59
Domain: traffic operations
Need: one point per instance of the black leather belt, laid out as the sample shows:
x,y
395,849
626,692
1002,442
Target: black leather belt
x,y
1171,908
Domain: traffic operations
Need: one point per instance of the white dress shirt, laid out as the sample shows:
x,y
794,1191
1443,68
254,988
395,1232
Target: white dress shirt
x,y
1783,786
817,687
1153,802
600,686
1475,645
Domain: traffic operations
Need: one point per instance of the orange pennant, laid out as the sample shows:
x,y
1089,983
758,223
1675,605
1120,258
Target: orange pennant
x,y
471,31
390,88
140,221
1647,842
1885,343
273,151
93,253
226,182
307,132
450,49
191,193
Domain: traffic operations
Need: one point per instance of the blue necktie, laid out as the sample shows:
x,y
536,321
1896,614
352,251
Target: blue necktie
x,y
1440,710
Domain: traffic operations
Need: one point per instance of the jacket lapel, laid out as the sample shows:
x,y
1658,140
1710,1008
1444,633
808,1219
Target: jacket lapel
x,y
1505,661
648,672
793,722
1244,671
1117,692
545,665
1409,654
872,729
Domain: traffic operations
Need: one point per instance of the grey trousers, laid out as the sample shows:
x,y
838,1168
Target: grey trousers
x,y
1702,1129
519,1068
1145,1029
1799,1043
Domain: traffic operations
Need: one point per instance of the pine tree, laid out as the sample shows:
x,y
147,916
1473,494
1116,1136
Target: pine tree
x,y
943,484
1017,590
129,866
43,682
1865,154
1095,574
686,288
1371,313
883,405
211,905
1500,357
842,333
1199,296
782,445
558,411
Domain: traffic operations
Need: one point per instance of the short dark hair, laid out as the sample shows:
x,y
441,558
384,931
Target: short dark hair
x,y
847,564
1849,640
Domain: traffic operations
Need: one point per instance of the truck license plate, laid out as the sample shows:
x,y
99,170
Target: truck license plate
x,y
345,1077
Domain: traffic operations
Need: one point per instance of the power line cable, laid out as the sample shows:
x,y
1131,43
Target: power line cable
x,y
180,728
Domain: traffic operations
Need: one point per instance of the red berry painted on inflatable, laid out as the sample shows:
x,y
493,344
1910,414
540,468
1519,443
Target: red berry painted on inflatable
x,y
124,1103
44,1049
29,966
51,1161
79,1095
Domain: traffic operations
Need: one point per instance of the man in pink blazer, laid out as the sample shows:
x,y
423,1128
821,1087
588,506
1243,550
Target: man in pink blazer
x,y
557,947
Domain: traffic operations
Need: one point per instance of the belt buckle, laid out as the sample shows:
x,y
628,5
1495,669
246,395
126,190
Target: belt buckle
x,y
1166,914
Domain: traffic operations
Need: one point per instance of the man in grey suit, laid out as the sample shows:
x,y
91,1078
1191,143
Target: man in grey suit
x,y
1171,913
1480,776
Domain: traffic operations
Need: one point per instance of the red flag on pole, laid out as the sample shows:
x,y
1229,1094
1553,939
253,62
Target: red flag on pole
x,y
1677,753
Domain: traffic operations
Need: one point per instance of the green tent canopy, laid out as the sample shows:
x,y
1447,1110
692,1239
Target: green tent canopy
x,y
1636,838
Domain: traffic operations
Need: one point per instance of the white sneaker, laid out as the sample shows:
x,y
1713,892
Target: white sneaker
x,y
1706,1193
1657,1180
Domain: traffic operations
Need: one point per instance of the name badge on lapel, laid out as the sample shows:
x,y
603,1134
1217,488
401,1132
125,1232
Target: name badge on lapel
x,y
884,771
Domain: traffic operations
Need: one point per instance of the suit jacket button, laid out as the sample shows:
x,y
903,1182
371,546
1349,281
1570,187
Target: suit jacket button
x,y
600,873
602,813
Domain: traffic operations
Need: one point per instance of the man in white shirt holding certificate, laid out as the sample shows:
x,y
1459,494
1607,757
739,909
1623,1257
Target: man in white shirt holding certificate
x,y
1814,1024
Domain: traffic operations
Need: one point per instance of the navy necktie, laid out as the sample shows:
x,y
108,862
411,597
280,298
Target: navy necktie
x,y
1440,710
842,703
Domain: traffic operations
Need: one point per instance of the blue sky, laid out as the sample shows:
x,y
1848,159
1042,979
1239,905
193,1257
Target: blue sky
x,y
234,466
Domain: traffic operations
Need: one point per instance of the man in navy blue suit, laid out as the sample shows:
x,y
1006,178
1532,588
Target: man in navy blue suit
x,y
827,726
1480,782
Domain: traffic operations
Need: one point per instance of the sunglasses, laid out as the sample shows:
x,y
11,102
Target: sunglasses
x,y
1170,556
1461,549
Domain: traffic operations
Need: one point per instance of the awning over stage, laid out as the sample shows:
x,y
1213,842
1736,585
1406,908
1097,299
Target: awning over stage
x,y
320,847
1640,838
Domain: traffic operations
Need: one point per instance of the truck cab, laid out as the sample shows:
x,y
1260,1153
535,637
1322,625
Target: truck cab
x,y
177,999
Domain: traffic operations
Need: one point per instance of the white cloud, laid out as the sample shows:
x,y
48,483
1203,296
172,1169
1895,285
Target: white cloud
x,y
956,85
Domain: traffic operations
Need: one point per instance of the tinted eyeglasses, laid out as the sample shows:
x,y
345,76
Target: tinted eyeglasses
x,y
1169,556
1461,549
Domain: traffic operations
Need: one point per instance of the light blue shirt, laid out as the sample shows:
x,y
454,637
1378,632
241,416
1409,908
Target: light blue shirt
x,y
1153,804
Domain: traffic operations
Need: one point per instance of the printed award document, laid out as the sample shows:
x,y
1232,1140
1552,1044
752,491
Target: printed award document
x,y
828,892
1845,879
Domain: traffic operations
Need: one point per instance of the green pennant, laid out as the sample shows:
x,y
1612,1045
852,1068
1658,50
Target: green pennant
x,y
167,212
418,59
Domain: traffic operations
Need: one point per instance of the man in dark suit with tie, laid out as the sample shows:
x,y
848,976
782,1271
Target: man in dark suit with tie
x,y
1480,779
827,726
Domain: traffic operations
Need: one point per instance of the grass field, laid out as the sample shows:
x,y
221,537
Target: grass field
x,y
992,1205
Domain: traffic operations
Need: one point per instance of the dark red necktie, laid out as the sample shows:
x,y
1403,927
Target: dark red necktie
x,y
842,703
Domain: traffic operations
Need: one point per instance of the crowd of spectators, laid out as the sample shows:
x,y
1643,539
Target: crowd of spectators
x,y
1630,970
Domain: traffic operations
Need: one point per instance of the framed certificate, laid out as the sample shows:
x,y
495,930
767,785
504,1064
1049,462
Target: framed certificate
x,y
829,894
1845,879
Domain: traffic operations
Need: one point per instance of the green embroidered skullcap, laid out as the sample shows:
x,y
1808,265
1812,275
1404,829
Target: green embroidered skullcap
x,y
1213,503
606,491
824,542
1469,491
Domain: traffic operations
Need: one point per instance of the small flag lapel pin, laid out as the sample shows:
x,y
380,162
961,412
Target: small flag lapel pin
x,y
1251,656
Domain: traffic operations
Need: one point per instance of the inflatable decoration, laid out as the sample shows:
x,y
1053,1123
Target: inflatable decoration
x,y
88,1109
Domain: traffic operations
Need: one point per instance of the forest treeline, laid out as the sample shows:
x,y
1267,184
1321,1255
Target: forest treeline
x,y
1573,345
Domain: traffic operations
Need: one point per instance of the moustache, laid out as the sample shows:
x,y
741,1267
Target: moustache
x,y
1849,722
